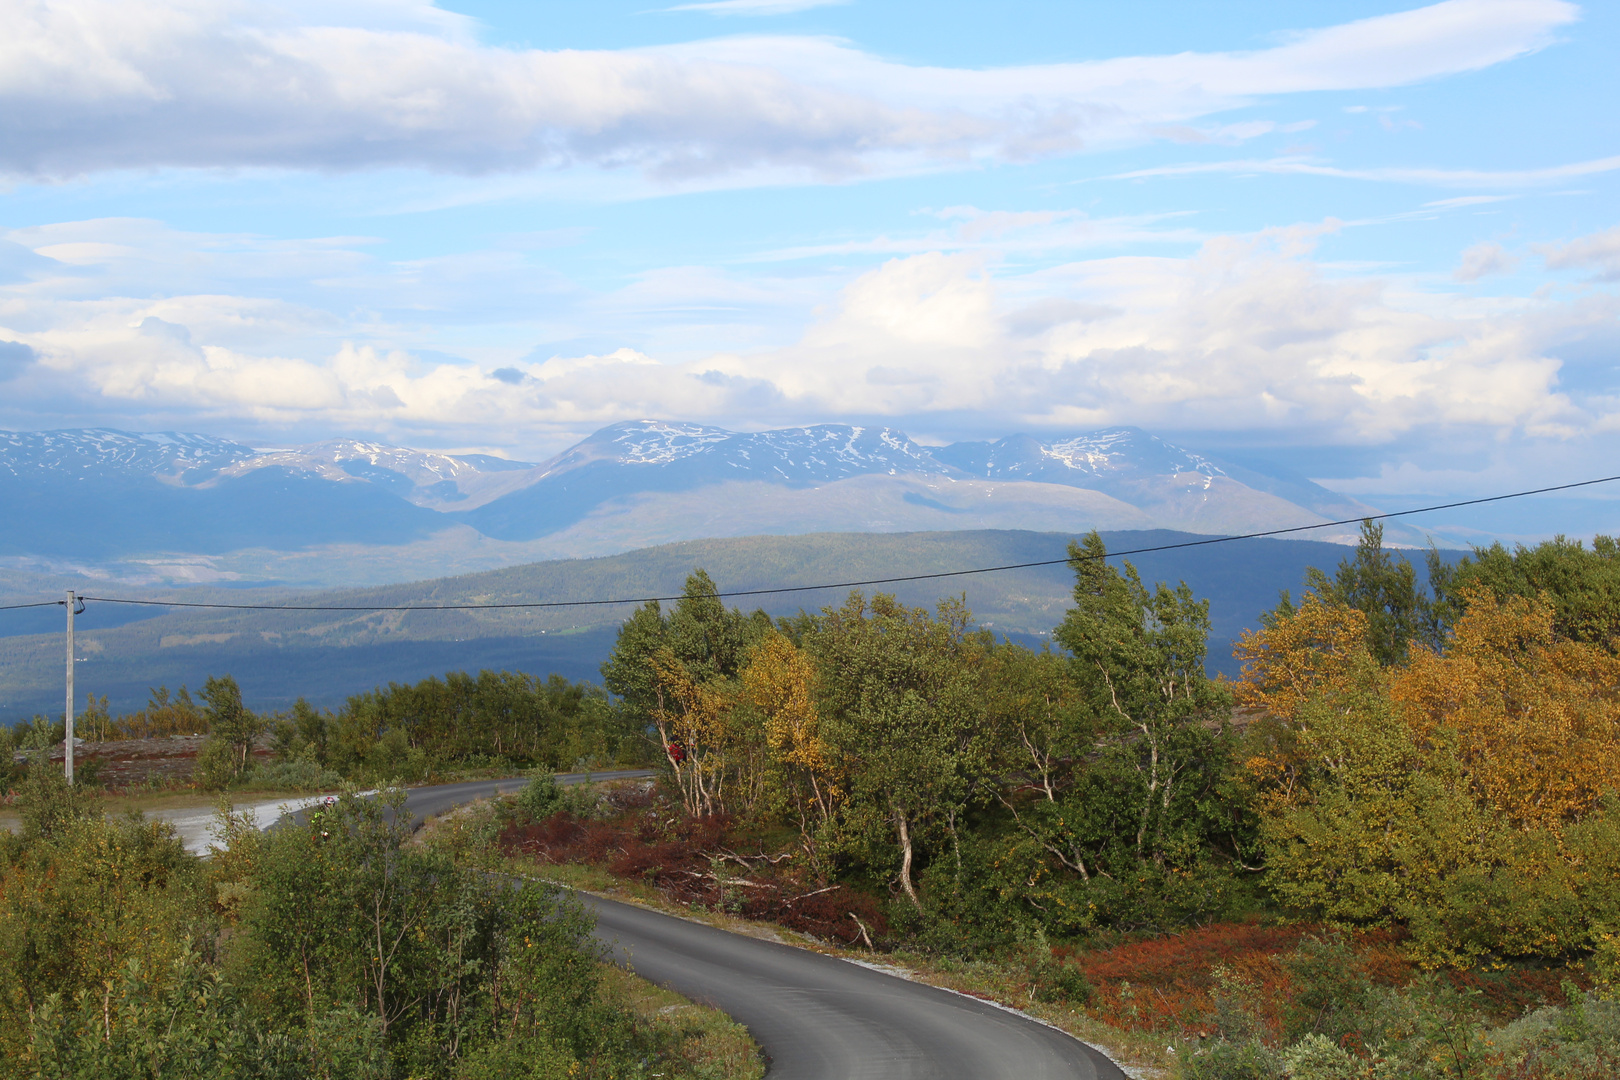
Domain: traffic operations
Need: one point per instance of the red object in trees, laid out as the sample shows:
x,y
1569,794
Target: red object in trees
x,y
677,752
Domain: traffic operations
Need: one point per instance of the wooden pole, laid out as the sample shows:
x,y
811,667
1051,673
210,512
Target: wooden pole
x,y
71,603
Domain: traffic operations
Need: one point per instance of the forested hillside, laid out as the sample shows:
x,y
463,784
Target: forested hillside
x,y
326,656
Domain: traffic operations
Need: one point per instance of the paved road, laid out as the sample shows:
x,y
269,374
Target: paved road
x,y
820,1018
817,1017
424,802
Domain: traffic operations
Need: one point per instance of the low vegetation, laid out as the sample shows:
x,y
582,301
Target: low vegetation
x,y
326,950
1411,791
437,728
1391,848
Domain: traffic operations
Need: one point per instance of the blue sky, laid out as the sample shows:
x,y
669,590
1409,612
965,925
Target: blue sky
x,y
1376,243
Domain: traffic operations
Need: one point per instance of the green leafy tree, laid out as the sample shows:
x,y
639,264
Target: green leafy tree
x,y
1581,583
232,727
1384,588
903,716
1138,656
677,676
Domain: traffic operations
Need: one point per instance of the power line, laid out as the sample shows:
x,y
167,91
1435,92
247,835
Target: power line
x,y
835,585
41,603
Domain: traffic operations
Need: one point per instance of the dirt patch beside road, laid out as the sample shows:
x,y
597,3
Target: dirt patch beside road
x,y
169,759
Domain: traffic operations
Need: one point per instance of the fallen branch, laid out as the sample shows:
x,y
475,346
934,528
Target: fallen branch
x,y
749,860
726,881
808,895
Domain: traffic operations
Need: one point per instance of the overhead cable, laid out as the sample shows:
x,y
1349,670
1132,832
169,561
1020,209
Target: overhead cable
x,y
776,590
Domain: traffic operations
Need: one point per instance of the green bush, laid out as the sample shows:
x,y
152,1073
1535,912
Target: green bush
x,y
216,763
1249,1059
1056,981
540,797
1579,1041
295,775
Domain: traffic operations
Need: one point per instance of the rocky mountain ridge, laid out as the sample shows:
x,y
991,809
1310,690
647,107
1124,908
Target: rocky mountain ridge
x,y
169,495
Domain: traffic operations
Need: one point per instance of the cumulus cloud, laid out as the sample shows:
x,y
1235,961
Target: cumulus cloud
x,y
88,85
1249,335
1599,251
1482,259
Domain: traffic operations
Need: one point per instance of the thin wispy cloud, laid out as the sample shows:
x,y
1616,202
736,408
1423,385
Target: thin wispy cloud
x,y
1429,177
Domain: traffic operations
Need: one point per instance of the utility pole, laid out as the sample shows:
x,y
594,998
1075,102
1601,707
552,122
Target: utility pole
x,y
72,602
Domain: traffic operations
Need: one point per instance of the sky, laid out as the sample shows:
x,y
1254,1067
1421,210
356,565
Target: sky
x,y
1373,243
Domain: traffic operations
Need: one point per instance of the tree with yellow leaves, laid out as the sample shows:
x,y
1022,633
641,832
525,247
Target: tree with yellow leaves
x,y
780,683
1534,720
1468,794
690,716
1310,653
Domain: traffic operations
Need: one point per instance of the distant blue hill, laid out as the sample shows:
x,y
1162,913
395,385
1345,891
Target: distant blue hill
x,y
278,656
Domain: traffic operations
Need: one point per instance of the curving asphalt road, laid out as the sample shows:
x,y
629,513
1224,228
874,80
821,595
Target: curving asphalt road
x,y
817,1017
820,1018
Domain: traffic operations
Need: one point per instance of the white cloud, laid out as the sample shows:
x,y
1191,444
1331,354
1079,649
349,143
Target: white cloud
x,y
88,85
1482,259
1466,200
1460,178
1599,251
1251,334
1004,232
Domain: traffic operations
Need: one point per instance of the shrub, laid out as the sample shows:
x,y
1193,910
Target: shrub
x,y
1249,1059
216,763
539,798
295,775
1056,981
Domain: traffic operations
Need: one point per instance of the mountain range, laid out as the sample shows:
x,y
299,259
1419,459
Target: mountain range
x,y
172,507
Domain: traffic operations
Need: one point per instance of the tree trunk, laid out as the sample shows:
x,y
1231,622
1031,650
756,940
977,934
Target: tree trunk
x,y
905,858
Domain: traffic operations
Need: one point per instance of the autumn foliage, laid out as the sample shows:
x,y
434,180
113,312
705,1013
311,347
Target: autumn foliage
x,y
1533,720
1465,794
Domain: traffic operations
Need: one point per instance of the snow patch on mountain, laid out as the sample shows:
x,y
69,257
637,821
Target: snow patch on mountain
x,y
172,456
821,453
1104,451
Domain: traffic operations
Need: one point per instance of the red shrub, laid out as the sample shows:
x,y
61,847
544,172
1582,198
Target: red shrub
x,y
698,861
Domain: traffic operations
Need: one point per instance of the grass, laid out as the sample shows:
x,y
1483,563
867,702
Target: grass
x,y
692,1040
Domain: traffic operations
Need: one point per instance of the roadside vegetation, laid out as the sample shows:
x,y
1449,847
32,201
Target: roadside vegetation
x,y
332,949
1390,848
438,729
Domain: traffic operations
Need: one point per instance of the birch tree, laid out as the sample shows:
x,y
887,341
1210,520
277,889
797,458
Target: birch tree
x,y
903,712
1138,655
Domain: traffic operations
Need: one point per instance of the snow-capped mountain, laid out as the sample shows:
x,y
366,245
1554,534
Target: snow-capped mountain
x,y
170,456
422,477
105,494
1110,456
807,455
